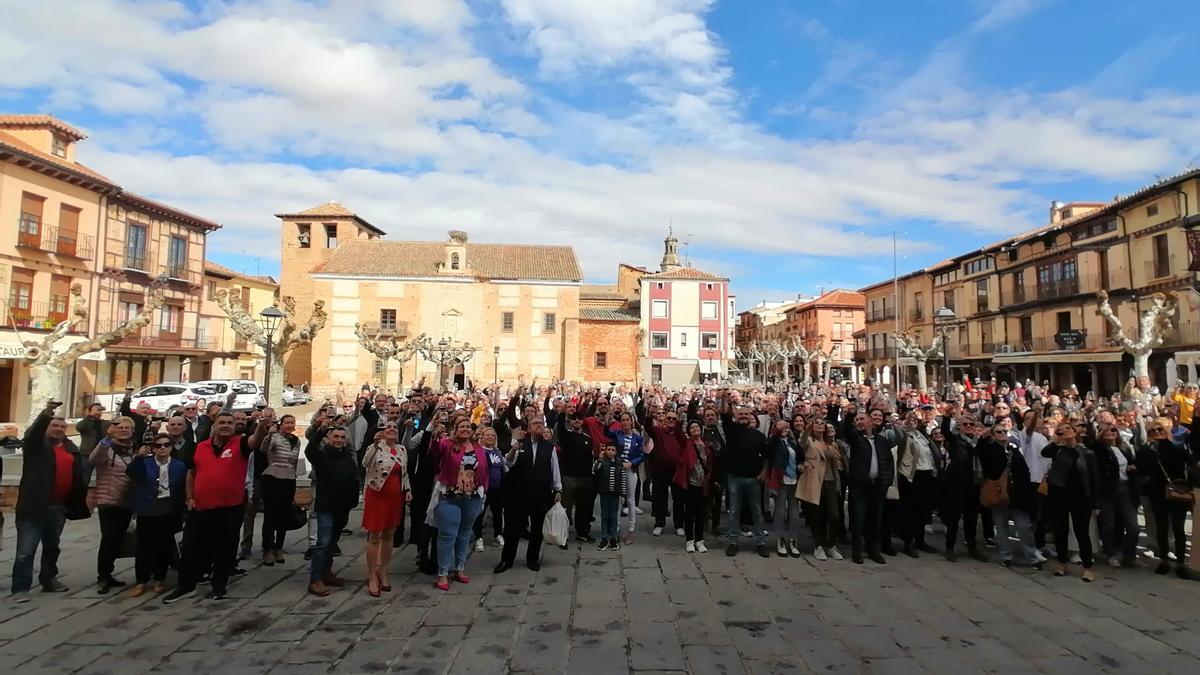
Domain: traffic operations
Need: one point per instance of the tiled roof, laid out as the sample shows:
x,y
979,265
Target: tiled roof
x,y
376,258
841,296
604,314
223,271
330,209
686,273
179,214
18,145
41,121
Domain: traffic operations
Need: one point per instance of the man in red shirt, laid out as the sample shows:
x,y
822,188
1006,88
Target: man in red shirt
x,y
53,489
216,495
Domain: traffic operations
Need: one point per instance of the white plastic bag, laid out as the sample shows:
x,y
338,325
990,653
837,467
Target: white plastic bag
x,y
555,527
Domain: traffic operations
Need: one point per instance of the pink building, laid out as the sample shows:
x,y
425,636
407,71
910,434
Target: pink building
x,y
687,323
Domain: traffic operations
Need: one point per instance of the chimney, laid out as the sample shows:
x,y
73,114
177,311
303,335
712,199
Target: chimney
x,y
1055,211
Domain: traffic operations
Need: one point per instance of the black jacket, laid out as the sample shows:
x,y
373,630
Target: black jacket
x,y
531,479
994,457
91,430
38,469
203,428
575,454
1074,466
960,465
140,423
859,461
1110,469
745,451
335,477
1153,459
609,477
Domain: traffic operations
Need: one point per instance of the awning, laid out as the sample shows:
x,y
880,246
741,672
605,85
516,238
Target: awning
x,y
1061,357
11,346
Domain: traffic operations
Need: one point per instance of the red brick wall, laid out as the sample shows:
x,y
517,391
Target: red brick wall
x,y
617,339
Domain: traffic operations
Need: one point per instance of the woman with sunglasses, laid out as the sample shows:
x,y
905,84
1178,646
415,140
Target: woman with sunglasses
x,y
157,495
1118,495
386,493
111,457
1159,463
818,487
1074,494
997,453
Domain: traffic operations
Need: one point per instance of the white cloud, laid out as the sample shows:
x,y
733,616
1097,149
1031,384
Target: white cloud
x,y
420,131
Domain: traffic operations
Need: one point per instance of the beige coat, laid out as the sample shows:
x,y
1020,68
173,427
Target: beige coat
x,y
816,457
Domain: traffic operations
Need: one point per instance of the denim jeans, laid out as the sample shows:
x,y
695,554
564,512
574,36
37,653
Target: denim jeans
x,y
787,512
1119,524
610,509
455,518
1022,550
329,531
43,528
748,490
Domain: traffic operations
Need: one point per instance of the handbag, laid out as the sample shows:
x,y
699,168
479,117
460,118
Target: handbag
x,y
299,518
1177,491
995,492
1044,487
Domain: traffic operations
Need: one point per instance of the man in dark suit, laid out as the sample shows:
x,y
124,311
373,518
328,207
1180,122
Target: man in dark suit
x,y
532,485
871,470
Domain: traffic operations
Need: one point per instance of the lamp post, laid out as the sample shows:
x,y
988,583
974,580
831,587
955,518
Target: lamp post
x,y
446,353
269,319
943,316
496,365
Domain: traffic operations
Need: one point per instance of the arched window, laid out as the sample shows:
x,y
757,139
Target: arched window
x,y
453,261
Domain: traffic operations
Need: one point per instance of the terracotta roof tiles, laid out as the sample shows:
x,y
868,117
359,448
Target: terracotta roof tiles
x,y
686,273
41,121
18,145
376,258
330,209
605,314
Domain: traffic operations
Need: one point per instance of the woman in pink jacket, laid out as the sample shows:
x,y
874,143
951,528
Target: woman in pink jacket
x,y
462,481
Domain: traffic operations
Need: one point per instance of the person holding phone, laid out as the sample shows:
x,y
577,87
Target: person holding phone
x,y
387,492
276,443
53,490
110,458
157,496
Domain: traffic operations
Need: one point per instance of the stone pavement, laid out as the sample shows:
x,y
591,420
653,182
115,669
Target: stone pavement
x,y
649,608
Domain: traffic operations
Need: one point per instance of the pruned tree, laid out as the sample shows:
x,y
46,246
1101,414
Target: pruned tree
x,y
290,334
907,346
390,348
808,355
47,363
1153,325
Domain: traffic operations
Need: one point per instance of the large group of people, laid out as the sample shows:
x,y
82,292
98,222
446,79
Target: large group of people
x,y
1004,468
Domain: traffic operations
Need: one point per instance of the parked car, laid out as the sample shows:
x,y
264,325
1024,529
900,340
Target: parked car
x,y
293,396
249,394
165,398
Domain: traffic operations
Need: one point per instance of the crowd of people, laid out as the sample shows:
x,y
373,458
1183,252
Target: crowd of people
x,y
1004,468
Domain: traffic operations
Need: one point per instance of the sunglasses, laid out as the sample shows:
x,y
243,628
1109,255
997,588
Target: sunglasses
x,y
162,445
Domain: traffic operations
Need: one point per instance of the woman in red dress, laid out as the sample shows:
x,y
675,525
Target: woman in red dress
x,y
387,491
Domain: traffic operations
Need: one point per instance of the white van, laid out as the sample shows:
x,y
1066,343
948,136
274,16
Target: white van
x,y
249,394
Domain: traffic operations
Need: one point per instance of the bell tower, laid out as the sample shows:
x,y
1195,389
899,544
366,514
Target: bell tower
x,y
670,259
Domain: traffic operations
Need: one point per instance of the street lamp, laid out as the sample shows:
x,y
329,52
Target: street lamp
x,y
943,316
269,319
496,366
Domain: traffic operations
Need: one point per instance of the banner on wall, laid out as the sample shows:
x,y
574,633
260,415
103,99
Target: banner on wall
x,y
1193,245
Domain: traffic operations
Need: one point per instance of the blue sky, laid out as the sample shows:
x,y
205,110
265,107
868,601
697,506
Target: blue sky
x,y
788,139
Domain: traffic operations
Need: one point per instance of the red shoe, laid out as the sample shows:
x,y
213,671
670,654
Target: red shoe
x,y
442,585
461,578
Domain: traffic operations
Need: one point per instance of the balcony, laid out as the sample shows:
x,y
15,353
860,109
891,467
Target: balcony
x,y
888,314
916,314
1063,288
179,272
1048,344
151,337
37,315
138,262
1018,296
881,353
53,240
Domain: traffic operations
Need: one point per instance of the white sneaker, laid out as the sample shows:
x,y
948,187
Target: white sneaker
x,y
679,531
700,547
835,554
479,545
500,541
639,511
819,554
781,549
690,546
656,532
